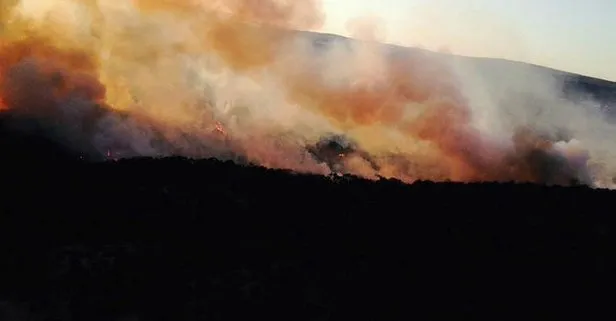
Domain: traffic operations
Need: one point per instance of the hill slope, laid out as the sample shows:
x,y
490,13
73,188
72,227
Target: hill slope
x,y
181,239
414,123
186,240
601,90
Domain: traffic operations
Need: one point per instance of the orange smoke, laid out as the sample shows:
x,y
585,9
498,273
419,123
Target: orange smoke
x,y
54,74
443,120
138,71
244,33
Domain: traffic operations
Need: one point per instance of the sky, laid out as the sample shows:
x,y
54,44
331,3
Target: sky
x,y
571,35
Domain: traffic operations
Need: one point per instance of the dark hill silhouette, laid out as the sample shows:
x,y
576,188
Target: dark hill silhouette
x,y
179,239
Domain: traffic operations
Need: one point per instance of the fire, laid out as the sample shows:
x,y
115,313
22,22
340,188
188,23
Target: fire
x,y
112,155
219,128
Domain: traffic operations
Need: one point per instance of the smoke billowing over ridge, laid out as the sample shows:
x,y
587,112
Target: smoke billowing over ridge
x,y
231,79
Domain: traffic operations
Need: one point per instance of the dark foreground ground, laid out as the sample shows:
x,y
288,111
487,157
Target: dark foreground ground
x,y
179,240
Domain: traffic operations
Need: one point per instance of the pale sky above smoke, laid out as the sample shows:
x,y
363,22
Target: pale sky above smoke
x,y
571,35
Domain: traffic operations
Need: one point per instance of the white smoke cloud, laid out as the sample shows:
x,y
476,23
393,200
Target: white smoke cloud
x,y
172,78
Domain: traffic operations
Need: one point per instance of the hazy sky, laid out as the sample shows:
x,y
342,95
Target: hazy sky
x,y
571,35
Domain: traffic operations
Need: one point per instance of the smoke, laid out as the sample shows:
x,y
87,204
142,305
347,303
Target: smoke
x,y
573,134
239,80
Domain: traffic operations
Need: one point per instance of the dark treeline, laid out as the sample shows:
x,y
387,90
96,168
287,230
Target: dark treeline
x,y
175,239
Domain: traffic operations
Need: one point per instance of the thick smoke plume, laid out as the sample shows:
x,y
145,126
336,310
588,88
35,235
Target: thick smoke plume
x,y
236,79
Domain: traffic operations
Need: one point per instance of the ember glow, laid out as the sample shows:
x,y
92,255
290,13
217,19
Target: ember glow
x,y
235,79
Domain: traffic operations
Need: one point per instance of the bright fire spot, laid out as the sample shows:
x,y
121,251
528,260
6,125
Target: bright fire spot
x,y
220,128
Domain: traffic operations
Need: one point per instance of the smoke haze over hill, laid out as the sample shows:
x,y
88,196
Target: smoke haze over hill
x,y
231,80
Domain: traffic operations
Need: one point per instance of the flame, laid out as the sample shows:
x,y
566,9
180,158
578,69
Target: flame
x,y
219,128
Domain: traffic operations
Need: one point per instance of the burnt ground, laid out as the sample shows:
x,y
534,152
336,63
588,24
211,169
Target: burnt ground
x,y
174,239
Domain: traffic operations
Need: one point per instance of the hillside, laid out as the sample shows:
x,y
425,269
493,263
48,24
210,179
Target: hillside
x,y
175,239
601,90
203,239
